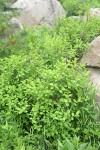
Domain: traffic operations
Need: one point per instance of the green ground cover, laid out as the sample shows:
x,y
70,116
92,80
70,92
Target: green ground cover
x,y
46,99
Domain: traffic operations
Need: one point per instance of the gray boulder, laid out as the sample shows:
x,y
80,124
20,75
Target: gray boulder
x,y
95,12
37,12
92,57
95,79
92,61
25,4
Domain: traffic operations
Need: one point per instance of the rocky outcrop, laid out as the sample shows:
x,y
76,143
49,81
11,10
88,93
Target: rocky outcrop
x,y
95,12
92,57
95,78
37,12
92,61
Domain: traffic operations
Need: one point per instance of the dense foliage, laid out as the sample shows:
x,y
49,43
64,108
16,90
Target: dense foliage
x,y
79,7
45,94
74,145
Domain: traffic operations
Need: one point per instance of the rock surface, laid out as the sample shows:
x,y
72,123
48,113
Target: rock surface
x,y
92,57
37,12
95,12
92,61
95,78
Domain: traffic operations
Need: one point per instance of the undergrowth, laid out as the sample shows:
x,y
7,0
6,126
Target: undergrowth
x,y
45,94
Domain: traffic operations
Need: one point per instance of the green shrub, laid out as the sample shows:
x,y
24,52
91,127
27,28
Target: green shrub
x,y
70,38
6,13
75,145
75,7
79,7
48,103
45,95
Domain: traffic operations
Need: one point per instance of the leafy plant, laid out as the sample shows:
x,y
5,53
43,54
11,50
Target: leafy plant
x,y
46,102
68,145
45,95
79,7
6,13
